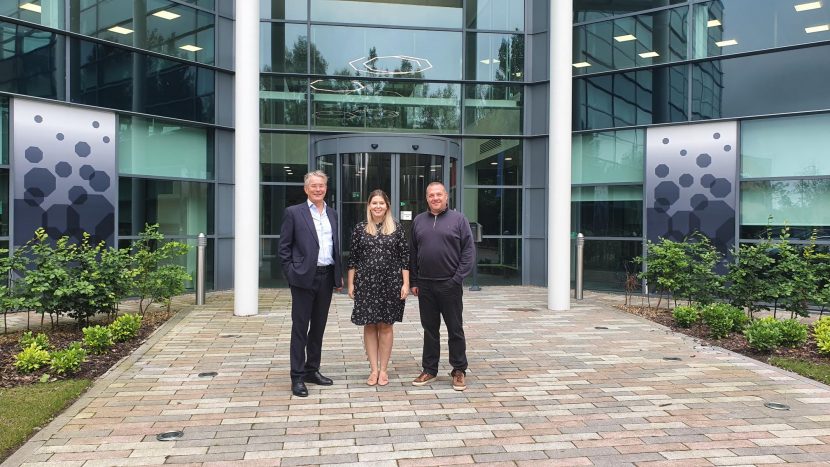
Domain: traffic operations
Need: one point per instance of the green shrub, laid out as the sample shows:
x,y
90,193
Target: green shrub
x,y
31,359
125,327
68,361
41,341
793,333
763,334
97,339
739,318
685,316
717,318
821,329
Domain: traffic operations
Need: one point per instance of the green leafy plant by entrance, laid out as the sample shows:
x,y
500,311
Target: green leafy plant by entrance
x,y
31,358
763,334
793,333
718,319
156,278
821,330
40,340
68,361
125,327
97,339
686,316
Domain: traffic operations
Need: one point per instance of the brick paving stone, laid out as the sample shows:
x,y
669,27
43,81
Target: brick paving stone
x,y
545,388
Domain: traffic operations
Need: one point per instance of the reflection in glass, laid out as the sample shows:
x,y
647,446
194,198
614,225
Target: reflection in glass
x,y
786,147
608,157
492,161
730,87
188,260
441,14
157,148
607,211
4,130
116,78
31,62
283,9
658,37
493,109
283,157
587,10
282,102
797,203
275,198
4,203
327,165
497,15
417,172
48,13
284,48
386,53
495,57
180,208
157,25
270,266
606,263
498,210
360,174
735,26
499,261
640,97
385,105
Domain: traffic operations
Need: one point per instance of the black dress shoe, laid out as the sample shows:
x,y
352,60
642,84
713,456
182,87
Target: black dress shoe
x,y
298,389
316,378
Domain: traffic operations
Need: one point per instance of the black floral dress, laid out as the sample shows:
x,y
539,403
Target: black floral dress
x,y
378,261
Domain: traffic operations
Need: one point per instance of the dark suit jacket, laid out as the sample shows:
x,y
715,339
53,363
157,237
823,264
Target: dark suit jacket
x,y
299,246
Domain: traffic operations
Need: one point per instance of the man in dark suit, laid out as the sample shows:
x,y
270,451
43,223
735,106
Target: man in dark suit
x,y
310,255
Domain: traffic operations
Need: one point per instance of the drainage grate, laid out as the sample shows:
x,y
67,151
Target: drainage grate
x,y
208,374
600,327
169,436
776,406
673,359
230,335
522,309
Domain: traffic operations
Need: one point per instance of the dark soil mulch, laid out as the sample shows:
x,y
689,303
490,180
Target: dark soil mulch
x,y
61,336
734,342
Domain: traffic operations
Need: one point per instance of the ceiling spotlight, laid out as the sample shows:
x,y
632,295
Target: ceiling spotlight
x,y
649,54
488,61
120,30
726,43
712,23
581,65
625,38
164,14
30,7
807,6
190,48
822,28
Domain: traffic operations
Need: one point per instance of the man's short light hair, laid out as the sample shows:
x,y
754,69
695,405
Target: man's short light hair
x,y
316,173
437,183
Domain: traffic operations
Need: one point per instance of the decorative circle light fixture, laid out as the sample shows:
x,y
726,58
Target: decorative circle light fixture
x,y
370,65
316,85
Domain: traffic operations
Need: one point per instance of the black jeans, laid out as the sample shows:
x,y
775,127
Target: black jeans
x,y
437,299
309,313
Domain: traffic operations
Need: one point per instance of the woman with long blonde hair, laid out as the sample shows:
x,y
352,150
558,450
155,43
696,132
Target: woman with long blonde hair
x,y
378,281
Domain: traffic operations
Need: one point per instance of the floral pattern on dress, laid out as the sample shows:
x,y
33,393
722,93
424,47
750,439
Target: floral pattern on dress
x,y
378,261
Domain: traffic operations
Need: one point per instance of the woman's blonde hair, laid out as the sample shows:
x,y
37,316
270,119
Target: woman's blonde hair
x,y
388,224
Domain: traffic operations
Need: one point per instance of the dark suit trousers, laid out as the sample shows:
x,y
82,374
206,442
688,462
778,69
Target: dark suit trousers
x,y
309,313
437,299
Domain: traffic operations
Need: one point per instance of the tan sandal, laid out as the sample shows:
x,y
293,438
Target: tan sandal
x,y
383,378
373,379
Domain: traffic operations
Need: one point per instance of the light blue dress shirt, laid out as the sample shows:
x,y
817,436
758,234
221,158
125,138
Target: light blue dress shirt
x,y
324,235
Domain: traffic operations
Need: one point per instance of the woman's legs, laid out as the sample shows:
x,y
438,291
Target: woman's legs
x,y
370,341
385,338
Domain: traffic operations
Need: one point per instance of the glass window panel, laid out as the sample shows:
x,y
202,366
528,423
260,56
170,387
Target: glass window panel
x,y
157,148
282,102
385,105
275,198
492,161
283,157
284,48
4,130
156,25
607,211
498,210
633,98
798,203
32,62
495,57
607,261
608,157
283,9
499,261
735,26
786,147
633,41
270,266
493,109
48,13
112,77
4,203
440,14
386,53
731,87
587,10
180,208
497,15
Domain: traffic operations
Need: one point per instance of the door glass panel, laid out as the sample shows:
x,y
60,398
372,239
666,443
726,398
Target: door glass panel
x,y
360,175
417,171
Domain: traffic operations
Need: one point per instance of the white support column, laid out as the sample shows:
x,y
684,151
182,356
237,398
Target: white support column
x,y
246,160
559,156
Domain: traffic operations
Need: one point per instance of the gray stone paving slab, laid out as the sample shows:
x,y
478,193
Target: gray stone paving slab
x,y
544,388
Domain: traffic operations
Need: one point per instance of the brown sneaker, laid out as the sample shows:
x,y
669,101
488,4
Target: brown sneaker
x,y
458,380
423,378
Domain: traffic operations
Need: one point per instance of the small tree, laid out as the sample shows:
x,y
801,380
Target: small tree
x,y
12,296
747,277
48,281
155,278
699,282
663,261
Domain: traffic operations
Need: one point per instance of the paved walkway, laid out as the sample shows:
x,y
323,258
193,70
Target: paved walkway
x,y
592,386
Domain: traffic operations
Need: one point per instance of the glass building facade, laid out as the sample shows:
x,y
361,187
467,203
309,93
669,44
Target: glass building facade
x,y
395,94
